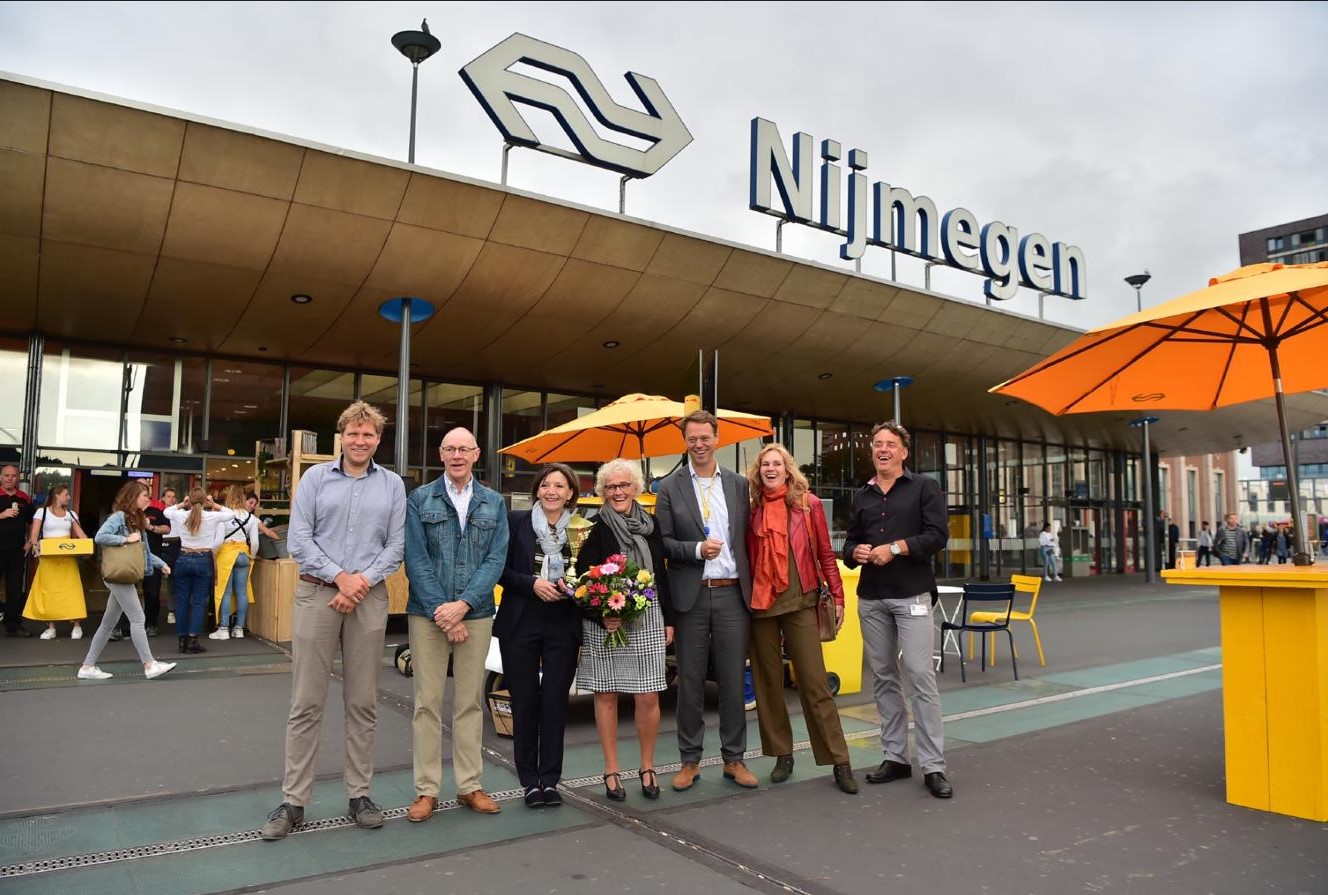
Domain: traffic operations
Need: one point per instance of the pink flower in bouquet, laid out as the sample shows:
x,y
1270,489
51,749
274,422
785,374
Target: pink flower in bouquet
x,y
609,568
617,601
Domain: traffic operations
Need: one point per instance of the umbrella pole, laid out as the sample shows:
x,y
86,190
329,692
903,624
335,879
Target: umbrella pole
x,y
1301,556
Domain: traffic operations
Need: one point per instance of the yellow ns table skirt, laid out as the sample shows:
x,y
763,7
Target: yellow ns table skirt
x,y
56,594
1274,684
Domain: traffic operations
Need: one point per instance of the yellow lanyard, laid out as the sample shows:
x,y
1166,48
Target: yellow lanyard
x,y
705,503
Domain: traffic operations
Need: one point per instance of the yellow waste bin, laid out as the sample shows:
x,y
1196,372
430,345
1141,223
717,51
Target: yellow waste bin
x,y
843,655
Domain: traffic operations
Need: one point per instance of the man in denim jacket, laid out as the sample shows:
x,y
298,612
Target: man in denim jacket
x,y
456,546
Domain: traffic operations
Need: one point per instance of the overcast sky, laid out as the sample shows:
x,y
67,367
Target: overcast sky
x,y
1149,135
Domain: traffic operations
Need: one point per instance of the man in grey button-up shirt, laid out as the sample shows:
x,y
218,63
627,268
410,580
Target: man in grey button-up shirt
x,y
347,533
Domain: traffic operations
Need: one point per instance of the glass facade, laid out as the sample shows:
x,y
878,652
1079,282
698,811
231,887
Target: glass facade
x,y
179,420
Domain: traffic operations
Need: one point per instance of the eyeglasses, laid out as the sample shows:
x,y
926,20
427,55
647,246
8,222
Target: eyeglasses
x,y
451,451
617,486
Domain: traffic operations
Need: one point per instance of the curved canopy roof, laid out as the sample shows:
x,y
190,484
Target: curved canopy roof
x,y
130,225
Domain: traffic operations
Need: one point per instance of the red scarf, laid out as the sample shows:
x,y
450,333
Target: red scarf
x,y
770,564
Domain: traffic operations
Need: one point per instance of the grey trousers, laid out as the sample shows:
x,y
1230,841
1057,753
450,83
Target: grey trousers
x,y
896,641
317,632
123,601
718,623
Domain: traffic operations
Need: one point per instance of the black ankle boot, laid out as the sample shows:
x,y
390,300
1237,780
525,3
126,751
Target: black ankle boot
x,y
194,646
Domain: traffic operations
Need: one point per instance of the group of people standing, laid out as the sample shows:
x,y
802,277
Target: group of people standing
x,y
739,563
213,549
209,548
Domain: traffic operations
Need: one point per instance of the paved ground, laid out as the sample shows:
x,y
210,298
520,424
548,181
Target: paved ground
x,y
1102,772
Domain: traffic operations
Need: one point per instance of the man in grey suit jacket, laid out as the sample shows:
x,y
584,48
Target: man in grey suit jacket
x,y
702,512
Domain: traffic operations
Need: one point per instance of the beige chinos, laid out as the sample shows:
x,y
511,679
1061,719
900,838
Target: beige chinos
x,y
317,632
429,652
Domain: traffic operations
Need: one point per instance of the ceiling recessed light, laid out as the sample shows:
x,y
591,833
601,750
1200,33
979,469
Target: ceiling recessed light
x,y
179,340
232,370
262,348
220,379
825,376
251,406
612,343
301,299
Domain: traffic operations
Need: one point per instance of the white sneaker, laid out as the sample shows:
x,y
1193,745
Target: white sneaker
x,y
220,634
93,673
237,633
1046,577
78,633
1059,578
157,669
48,634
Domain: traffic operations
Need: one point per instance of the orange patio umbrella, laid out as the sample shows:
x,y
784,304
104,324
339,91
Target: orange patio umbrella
x,y
1254,333
632,427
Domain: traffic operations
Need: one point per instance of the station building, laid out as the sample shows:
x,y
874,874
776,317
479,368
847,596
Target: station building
x,y
178,295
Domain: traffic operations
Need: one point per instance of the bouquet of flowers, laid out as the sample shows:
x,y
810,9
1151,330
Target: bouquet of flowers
x,y
616,588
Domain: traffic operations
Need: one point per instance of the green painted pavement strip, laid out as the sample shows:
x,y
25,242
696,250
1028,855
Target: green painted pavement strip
x,y
257,863
1129,671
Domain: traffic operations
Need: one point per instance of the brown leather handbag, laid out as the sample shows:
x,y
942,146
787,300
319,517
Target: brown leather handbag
x,y
826,620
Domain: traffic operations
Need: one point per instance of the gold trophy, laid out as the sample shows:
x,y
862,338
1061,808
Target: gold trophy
x,y
578,529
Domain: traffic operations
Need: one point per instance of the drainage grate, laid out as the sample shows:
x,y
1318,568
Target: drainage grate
x,y
158,849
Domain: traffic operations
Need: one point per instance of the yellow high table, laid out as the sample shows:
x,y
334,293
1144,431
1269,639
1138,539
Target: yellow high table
x,y
1274,683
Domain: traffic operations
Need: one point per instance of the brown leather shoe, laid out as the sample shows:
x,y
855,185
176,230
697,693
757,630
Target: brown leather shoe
x,y
738,773
480,801
421,809
686,776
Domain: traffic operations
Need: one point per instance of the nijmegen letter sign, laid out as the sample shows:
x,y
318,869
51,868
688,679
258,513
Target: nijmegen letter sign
x,y
904,222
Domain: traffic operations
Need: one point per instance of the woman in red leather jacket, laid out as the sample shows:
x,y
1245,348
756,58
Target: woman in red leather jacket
x,y
788,543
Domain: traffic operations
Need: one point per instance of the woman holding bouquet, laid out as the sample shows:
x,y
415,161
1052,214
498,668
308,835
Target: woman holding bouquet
x,y
788,542
538,628
624,527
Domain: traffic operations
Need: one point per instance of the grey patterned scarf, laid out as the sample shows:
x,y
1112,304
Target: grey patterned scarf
x,y
551,539
631,530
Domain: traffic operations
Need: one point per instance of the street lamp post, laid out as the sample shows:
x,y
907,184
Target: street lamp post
x,y
1137,280
415,46
894,384
405,311
1144,422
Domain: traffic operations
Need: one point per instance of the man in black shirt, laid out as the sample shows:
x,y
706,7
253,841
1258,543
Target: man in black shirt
x,y
897,524
158,525
15,519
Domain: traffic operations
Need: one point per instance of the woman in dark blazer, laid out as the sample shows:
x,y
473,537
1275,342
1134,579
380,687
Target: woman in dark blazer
x,y
538,629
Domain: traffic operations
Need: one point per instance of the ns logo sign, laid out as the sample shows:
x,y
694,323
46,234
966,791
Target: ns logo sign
x,y
500,90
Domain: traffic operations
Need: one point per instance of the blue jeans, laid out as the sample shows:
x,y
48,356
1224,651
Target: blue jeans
x,y
192,576
1227,561
1049,562
237,589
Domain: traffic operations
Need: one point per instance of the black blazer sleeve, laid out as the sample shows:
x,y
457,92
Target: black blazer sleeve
x,y
600,545
517,579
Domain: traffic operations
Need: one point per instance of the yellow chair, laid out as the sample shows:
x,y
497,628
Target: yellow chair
x,y
1025,584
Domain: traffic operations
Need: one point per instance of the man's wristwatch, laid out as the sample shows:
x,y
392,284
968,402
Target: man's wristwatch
x,y
894,548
